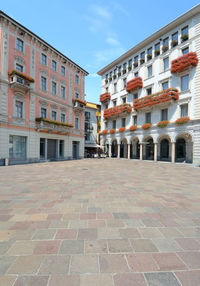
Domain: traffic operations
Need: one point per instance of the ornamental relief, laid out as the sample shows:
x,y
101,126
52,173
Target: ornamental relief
x,y
53,106
20,60
43,72
44,103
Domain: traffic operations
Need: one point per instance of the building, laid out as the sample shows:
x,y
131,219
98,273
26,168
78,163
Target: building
x,y
92,127
151,96
41,98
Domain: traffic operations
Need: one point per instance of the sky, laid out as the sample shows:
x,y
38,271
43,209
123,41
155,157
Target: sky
x,y
93,33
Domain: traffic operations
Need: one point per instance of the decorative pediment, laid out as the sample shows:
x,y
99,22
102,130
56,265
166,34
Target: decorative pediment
x,y
20,60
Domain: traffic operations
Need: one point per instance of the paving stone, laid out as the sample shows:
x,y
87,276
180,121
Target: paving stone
x,y
72,247
169,261
61,280
152,222
94,210
166,245
108,233
96,223
188,243
82,264
25,265
143,245
31,281
4,246
44,234
53,264
161,279
5,263
119,245
78,224
150,232
66,234
5,235
96,246
97,280
104,216
190,231
89,234
114,223
129,279
22,247
113,263
141,262
191,259
47,247
129,233
88,216
7,280
189,278
170,232
121,215
58,224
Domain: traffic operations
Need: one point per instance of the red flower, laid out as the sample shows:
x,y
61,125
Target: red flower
x,y
183,62
116,110
122,129
24,76
134,84
104,132
133,128
104,97
146,126
112,131
182,120
163,123
79,100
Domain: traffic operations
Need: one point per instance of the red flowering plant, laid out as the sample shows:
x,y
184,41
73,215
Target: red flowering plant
x,y
81,101
116,110
183,62
156,98
134,84
21,74
163,123
146,126
122,129
104,97
133,127
112,131
182,120
104,132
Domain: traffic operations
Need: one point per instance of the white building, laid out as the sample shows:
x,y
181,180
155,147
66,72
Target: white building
x,y
144,89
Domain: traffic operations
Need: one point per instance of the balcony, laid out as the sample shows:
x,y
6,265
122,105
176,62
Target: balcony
x,y
157,98
182,63
20,80
105,97
134,84
89,129
78,104
44,124
117,111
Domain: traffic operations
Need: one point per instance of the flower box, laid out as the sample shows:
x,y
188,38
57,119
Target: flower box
x,y
146,126
182,120
164,48
114,76
22,75
104,132
55,122
174,43
156,98
142,61
157,53
105,97
110,78
135,64
124,71
112,131
129,68
117,110
184,37
122,129
134,84
119,73
149,56
133,127
106,81
182,63
81,101
163,123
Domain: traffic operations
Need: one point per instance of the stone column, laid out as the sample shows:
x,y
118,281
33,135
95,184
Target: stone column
x,y
45,156
109,151
141,151
173,152
118,151
129,150
155,151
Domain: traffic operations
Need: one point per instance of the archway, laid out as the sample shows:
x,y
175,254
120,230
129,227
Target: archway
x,y
123,149
164,150
135,148
184,148
149,149
114,149
180,150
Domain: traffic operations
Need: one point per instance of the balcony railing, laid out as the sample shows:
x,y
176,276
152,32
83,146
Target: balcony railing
x,y
116,111
20,80
104,97
157,98
78,104
44,124
182,63
134,84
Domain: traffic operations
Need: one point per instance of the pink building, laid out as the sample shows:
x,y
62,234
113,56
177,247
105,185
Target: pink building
x,y
41,98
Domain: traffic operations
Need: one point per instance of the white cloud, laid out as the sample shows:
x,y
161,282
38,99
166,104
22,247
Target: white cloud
x,y
120,8
93,75
112,41
101,11
106,56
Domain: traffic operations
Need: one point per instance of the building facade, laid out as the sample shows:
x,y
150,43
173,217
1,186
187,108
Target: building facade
x,y
151,96
92,127
41,98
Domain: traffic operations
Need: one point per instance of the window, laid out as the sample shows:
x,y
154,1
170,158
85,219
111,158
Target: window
x,y
119,69
76,95
130,63
157,49
19,109
20,45
115,87
17,147
62,117
184,34
142,57
135,120
124,99
114,102
54,87
148,117
165,44
184,110
106,76
44,83
124,82
149,91
149,54
175,39
106,105
54,65
135,59
44,59
106,125
165,85
164,114
42,148
76,79
135,96
123,122
19,67
62,92
87,115
87,137
149,68
43,112
185,82
62,70
54,115
114,124
136,74
115,72
185,50
76,123
61,149
166,64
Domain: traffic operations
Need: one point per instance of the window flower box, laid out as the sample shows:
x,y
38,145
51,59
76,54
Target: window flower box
x,y
146,126
184,37
134,84
133,127
182,63
112,131
174,43
119,73
104,132
122,129
142,61
149,57
22,75
105,97
182,120
164,48
135,64
123,71
156,98
129,68
110,78
81,101
114,76
117,110
157,53
162,124
106,81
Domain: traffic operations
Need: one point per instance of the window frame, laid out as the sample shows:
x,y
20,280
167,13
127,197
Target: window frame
x,y
19,45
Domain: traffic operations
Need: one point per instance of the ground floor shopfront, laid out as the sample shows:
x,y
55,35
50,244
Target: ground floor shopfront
x,y
172,144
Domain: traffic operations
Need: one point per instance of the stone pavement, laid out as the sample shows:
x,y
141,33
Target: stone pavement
x,y
100,223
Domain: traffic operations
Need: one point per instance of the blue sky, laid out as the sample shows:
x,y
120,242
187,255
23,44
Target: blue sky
x,y
94,33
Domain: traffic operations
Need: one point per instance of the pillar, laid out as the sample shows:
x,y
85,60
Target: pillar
x,y
155,151
173,152
45,156
141,151
118,151
109,151
129,151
